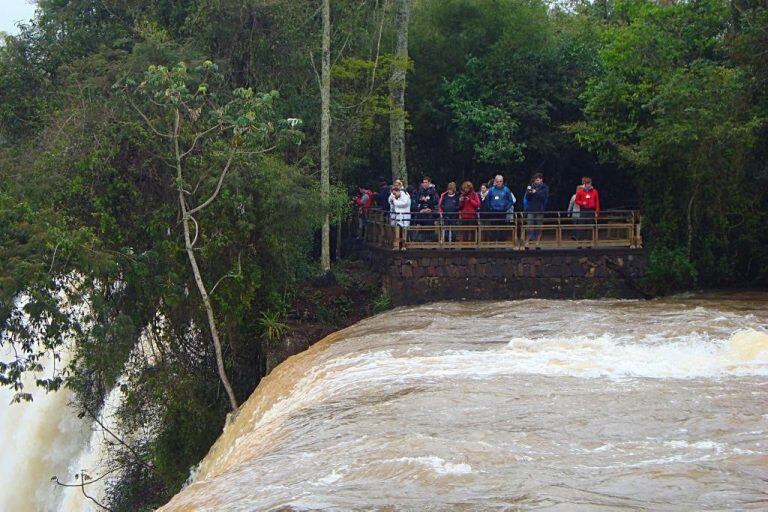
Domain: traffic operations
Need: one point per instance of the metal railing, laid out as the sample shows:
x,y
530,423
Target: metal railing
x,y
511,231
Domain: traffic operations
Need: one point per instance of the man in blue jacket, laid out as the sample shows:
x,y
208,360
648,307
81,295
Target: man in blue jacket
x,y
537,195
500,201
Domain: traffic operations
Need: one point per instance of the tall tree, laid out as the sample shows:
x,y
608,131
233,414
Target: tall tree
x,y
397,92
325,129
180,108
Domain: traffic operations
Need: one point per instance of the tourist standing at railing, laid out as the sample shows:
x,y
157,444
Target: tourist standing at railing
x,y
448,206
382,196
501,200
426,206
589,204
574,210
364,201
399,207
484,199
469,204
537,195
483,194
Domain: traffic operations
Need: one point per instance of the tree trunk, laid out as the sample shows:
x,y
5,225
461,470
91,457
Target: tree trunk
x,y
339,234
689,221
325,129
189,245
397,93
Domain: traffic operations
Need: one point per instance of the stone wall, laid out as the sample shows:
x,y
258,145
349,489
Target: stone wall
x,y
418,276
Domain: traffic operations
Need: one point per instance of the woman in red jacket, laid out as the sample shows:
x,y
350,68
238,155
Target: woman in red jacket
x,y
469,204
588,201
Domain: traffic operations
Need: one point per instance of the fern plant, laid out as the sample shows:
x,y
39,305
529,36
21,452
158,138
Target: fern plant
x,y
272,326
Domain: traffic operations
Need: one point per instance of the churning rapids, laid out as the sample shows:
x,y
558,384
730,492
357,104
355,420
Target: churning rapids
x,y
588,405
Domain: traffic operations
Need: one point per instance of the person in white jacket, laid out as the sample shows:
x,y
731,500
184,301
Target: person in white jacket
x,y
400,207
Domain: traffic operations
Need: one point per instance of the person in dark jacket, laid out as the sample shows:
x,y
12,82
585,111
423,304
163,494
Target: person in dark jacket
x,y
448,206
426,205
537,195
483,193
382,196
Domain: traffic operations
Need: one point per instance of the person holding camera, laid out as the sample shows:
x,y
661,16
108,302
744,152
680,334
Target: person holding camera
x,y
469,204
400,207
537,195
426,203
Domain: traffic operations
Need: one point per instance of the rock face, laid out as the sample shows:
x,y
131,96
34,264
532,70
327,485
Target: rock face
x,y
419,276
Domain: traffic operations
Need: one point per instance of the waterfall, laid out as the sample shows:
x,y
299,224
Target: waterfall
x,y
508,405
40,439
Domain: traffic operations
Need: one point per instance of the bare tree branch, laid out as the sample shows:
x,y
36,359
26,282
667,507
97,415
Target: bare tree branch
x,y
218,185
83,483
185,216
146,120
197,229
53,258
119,440
198,137
230,274
375,63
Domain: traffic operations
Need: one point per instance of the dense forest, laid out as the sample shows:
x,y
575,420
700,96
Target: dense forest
x,y
160,169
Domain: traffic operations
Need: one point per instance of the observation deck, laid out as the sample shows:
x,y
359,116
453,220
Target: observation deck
x,y
507,256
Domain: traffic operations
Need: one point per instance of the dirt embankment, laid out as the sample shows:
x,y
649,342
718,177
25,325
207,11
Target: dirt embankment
x,y
326,305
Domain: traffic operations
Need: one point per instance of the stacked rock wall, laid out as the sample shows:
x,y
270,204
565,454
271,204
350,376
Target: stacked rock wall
x,y
418,276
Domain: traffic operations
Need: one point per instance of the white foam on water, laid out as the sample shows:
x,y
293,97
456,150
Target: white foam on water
x,y
745,353
438,465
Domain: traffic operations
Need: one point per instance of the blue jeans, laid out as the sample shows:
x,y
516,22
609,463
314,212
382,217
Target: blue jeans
x,y
533,222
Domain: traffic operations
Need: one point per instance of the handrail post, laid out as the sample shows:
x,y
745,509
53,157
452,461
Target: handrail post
x,y
396,237
594,230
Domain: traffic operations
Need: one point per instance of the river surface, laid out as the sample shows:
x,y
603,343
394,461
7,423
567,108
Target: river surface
x,y
529,405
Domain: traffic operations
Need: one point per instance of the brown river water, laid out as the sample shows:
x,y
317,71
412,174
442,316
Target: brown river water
x,y
528,405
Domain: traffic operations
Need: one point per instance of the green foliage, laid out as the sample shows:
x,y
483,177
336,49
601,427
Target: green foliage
x,y
272,326
672,109
99,232
668,271
488,129
381,303
334,311
665,105
492,84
